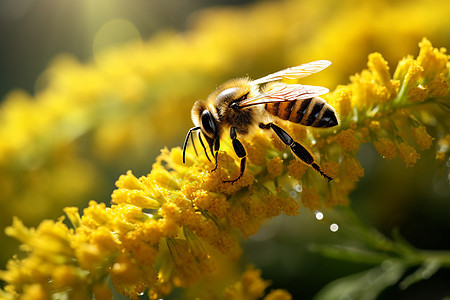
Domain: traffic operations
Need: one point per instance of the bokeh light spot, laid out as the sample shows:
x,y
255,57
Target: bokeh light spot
x,y
334,227
114,33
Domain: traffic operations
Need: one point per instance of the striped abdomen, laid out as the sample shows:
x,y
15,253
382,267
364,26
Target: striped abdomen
x,y
309,112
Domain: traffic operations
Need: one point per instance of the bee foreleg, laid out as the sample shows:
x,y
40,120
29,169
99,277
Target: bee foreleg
x,y
240,152
203,145
300,151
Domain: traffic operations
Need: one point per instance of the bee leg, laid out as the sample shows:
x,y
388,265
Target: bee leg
x,y
300,151
216,152
215,158
203,145
240,152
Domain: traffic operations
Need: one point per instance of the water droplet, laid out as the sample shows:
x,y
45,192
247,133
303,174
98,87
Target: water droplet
x,y
298,188
334,227
293,194
319,215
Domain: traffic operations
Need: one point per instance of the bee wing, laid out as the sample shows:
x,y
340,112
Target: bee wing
x,y
295,72
285,92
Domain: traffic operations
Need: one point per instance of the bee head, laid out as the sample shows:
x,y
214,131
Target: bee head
x,y
230,94
205,118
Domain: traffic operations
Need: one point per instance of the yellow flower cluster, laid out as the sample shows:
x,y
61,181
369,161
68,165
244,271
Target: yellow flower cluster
x,y
251,287
85,119
173,227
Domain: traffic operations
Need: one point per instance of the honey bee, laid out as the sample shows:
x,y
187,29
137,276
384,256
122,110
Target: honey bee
x,y
240,104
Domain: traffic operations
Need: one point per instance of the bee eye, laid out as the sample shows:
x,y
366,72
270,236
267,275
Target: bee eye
x,y
208,123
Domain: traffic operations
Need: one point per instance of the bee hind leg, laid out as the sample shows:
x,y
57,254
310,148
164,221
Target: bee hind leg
x,y
300,151
240,152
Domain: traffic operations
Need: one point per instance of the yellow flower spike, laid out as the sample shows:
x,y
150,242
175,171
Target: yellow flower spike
x,y
163,178
130,182
288,205
297,169
379,66
352,167
219,205
253,204
102,292
342,97
331,168
19,231
51,240
64,276
89,257
408,154
432,60
423,139
418,93
35,292
403,68
190,259
128,278
271,206
170,211
442,153
438,87
386,148
253,284
347,140
73,215
251,227
95,215
142,250
310,198
237,216
337,194
136,197
278,294
256,152
275,167
411,80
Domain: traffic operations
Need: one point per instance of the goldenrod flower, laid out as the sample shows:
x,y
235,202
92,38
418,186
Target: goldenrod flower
x,y
423,139
278,295
386,148
172,227
408,154
74,125
251,286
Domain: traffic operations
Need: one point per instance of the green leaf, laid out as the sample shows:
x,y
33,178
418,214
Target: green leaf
x,y
426,270
348,253
366,285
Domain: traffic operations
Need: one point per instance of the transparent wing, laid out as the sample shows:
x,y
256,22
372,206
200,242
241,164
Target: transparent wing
x,y
285,92
295,72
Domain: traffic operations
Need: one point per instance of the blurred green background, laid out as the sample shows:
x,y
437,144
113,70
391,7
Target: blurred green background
x,y
91,89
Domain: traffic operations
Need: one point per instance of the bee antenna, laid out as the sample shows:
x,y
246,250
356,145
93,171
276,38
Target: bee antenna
x,y
186,140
